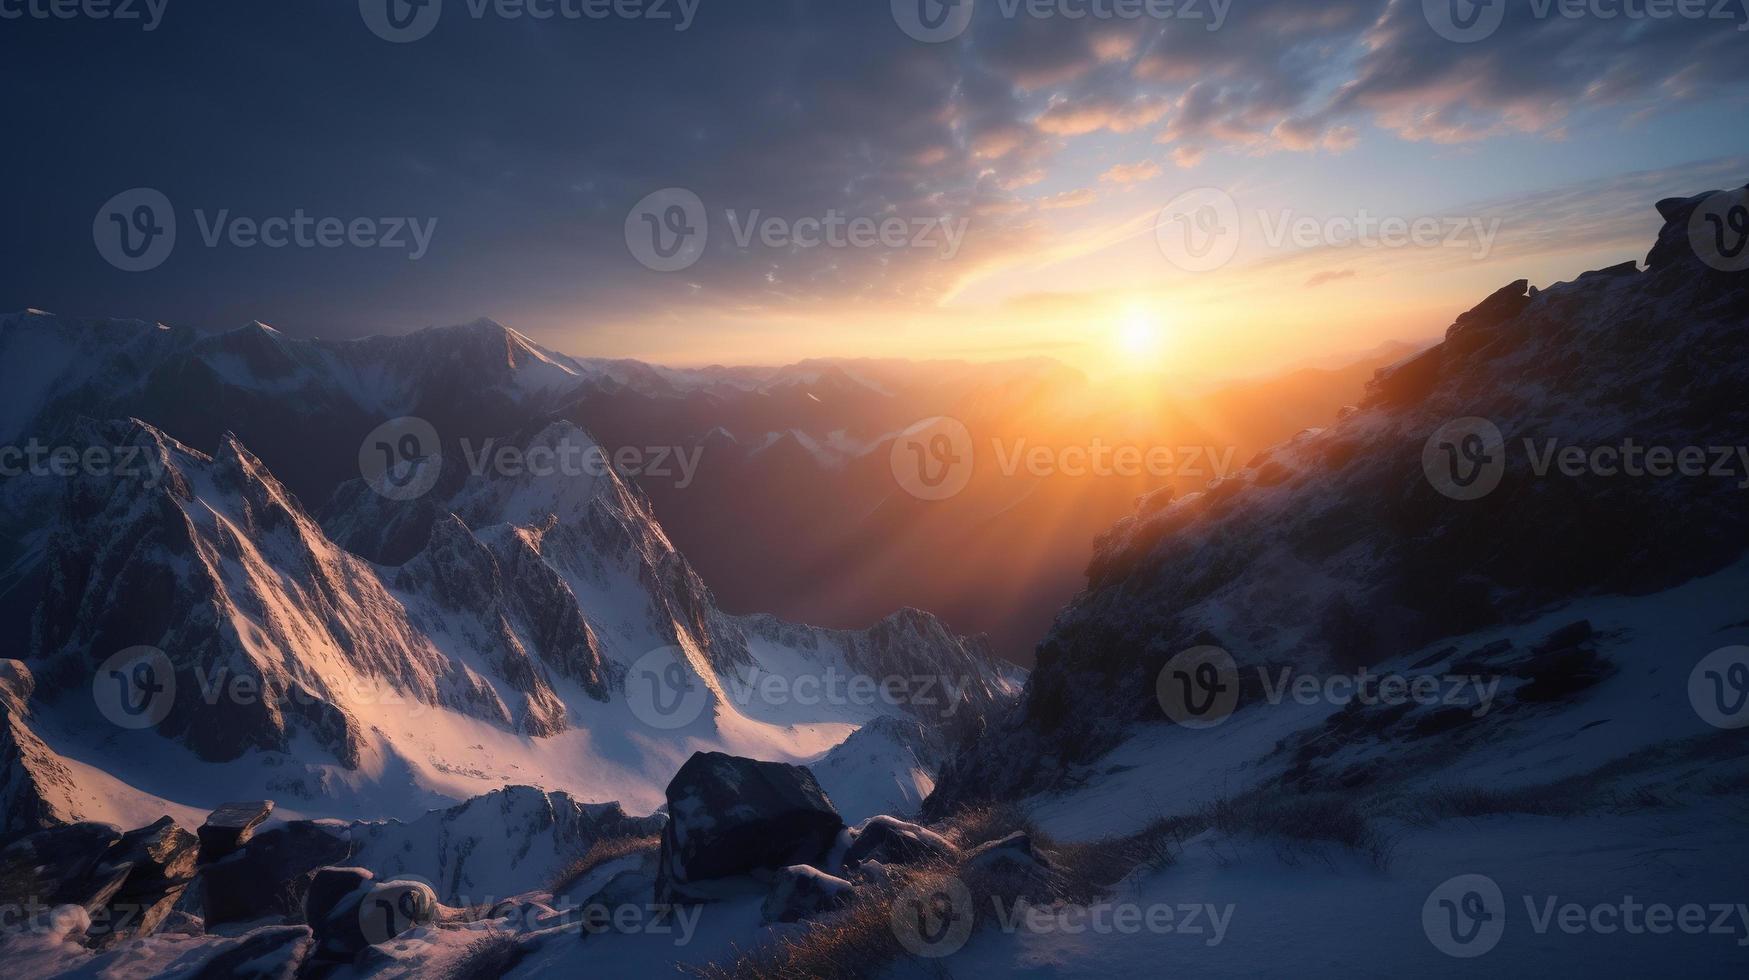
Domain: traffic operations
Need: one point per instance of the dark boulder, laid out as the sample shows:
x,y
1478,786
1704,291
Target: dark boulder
x,y
731,817
331,886
271,874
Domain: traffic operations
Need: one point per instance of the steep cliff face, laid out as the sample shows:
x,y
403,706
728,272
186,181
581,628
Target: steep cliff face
x,y
252,639
1449,502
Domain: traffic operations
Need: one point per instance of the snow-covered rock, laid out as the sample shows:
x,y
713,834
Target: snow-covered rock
x,y
891,841
801,892
495,846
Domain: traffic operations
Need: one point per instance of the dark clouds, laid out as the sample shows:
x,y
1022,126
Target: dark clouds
x,y
529,140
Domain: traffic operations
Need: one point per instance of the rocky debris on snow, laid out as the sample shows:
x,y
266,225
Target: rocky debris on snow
x,y
731,817
1564,664
1013,854
271,953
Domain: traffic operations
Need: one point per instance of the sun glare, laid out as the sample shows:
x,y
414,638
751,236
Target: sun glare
x,y
1139,337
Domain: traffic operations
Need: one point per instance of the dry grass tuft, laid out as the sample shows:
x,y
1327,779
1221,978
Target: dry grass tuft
x,y
600,853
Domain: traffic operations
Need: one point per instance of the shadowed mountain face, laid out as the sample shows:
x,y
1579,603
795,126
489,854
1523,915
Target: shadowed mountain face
x,y
1576,441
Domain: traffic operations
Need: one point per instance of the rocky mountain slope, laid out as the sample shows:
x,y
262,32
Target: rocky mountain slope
x,y
1358,543
196,635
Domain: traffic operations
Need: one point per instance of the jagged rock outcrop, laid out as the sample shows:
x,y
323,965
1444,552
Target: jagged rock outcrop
x,y
160,859
62,866
36,788
215,563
